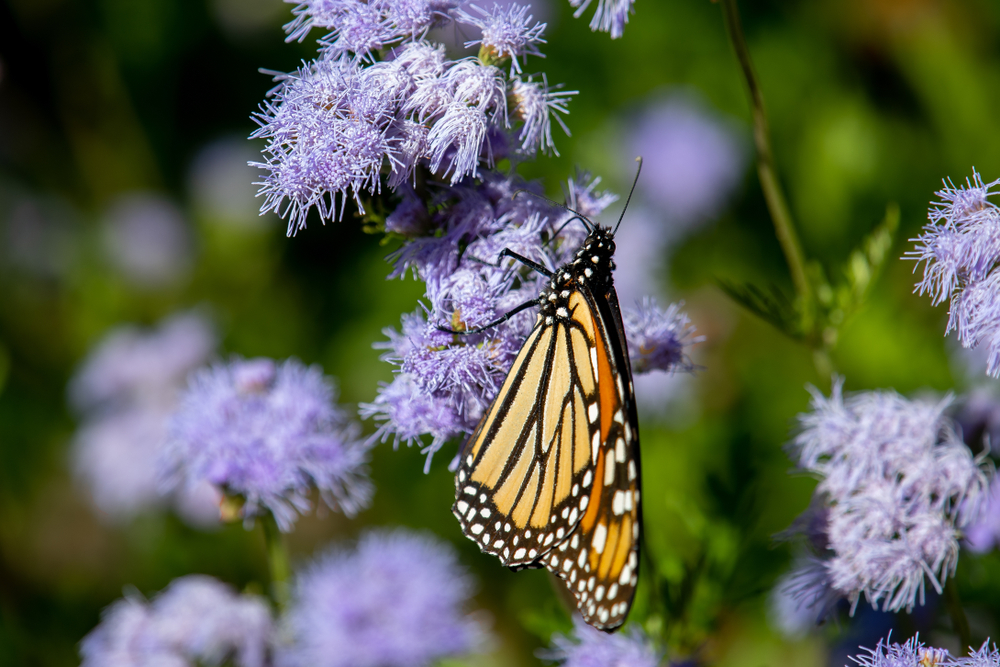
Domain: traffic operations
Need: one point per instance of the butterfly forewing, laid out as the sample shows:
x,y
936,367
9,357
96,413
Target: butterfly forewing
x,y
523,482
550,477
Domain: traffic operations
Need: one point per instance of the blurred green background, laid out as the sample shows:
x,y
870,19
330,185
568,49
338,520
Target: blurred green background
x,y
870,102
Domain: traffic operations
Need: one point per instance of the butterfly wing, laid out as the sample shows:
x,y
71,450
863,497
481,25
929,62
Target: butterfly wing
x,y
601,570
550,477
523,480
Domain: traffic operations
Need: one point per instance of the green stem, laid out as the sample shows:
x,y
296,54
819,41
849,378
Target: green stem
x,y
766,170
958,620
277,558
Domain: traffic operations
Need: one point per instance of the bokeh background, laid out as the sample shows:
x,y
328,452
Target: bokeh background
x,y
125,198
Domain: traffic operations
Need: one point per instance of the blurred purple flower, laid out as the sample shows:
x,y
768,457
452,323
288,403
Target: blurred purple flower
x,y
267,433
657,339
983,534
219,180
398,600
147,239
130,365
114,455
196,620
803,598
506,32
912,653
960,248
125,391
589,647
898,485
692,161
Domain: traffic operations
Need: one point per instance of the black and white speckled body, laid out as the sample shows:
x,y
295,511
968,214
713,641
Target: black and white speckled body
x,y
592,267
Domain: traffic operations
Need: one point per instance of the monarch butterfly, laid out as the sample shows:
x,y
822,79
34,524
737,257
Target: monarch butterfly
x,y
550,476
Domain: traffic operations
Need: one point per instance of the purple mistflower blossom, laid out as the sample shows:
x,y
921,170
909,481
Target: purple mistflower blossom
x,y
898,486
398,600
535,106
960,248
114,454
983,534
361,26
125,391
197,620
693,161
589,647
610,15
657,338
131,365
507,32
267,433
912,653
147,239
986,656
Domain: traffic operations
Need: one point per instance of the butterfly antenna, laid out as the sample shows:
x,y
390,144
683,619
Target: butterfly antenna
x,y
579,216
630,192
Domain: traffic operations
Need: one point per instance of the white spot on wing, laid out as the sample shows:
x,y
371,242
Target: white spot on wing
x,y
476,528
519,554
618,503
620,451
593,412
600,535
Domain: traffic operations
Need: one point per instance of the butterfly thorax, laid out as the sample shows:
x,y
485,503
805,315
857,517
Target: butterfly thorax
x,y
591,267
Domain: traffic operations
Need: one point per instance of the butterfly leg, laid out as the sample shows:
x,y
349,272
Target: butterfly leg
x,y
510,314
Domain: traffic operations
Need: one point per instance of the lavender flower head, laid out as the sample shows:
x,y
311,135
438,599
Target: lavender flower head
x,y
131,365
398,600
897,488
610,15
589,647
960,249
693,160
196,620
658,339
507,32
912,653
380,99
125,390
267,433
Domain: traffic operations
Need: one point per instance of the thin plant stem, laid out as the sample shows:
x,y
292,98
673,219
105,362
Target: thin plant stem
x,y
277,560
960,624
766,170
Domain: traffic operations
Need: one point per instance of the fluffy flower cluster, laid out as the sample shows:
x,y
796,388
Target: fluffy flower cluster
x,y
397,600
658,339
267,434
382,100
447,381
913,653
897,487
589,647
960,249
610,15
125,391
196,620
